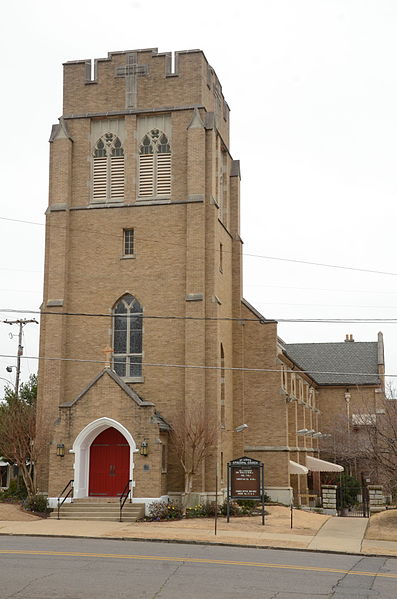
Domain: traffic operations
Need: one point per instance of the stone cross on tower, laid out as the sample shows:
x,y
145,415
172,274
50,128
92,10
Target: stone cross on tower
x,y
131,71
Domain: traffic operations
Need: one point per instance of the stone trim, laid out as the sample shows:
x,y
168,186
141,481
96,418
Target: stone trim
x,y
235,170
54,303
128,111
130,392
194,297
137,204
254,311
266,448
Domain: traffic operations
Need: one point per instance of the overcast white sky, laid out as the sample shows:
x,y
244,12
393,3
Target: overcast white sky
x,y
312,86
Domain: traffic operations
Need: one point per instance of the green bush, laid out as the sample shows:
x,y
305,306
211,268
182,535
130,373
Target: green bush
x,y
15,491
36,503
202,510
247,506
162,510
234,509
347,491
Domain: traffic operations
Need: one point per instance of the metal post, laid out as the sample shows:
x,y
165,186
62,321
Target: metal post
x,y
216,499
263,495
228,494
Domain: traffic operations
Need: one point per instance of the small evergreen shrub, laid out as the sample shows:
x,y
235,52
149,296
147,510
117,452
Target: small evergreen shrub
x,y
16,490
36,503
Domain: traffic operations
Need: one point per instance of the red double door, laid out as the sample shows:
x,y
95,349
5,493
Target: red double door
x,y
109,464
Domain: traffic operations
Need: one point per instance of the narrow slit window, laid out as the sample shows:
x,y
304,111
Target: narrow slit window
x,y
128,242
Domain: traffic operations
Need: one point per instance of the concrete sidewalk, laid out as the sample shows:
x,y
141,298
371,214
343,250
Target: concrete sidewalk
x,y
343,535
340,534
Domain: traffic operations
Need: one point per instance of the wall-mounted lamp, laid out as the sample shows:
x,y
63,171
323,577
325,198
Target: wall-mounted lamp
x,y
241,428
347,396
302,431
60,450
144,448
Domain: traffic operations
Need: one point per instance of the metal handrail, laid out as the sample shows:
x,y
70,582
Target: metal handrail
x,y
124,497
70,484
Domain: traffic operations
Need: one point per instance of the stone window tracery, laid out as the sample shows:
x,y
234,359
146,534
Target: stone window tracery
x,y
127,337
154,165
108,169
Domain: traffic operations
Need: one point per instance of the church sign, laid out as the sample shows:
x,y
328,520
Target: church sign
x,y
245,480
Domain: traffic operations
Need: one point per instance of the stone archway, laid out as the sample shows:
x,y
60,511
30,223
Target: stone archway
x,y
81,449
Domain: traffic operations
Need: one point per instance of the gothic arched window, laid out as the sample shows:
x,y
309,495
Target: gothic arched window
x,y
154,165
127,337
108,169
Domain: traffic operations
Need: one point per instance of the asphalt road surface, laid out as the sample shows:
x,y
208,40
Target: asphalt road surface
x,y
58,568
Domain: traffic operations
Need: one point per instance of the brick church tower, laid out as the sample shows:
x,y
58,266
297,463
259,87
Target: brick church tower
x,y
142,275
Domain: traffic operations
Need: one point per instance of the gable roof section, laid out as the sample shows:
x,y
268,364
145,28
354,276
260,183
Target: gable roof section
x,y
119,381
357,361
255,312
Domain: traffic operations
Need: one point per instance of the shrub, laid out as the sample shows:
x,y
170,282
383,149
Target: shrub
x,y
162,510
36,503
234,509
202,510
15,491
247,506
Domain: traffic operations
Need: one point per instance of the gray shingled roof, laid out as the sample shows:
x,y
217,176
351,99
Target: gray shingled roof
x,y
358,359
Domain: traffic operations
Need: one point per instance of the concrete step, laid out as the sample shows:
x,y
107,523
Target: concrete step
x,y
100,507
100,511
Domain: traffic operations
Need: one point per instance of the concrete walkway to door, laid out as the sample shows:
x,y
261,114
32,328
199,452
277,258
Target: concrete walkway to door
x,y
340,534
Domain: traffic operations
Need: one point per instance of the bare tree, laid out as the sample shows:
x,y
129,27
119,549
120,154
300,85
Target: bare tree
x,y
193,439
381,445
367,442
20,444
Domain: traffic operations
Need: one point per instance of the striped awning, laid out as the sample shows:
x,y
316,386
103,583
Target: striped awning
x,y
317,465
295,468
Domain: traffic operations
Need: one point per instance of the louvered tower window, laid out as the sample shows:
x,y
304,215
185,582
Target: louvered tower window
x,y
154,165
127,337
108,169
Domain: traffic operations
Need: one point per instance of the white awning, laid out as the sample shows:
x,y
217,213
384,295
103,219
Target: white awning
x,y
294,468
3,463
316,465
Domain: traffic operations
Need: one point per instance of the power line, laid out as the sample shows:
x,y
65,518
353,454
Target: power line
x,y
249,255
203,367
205,318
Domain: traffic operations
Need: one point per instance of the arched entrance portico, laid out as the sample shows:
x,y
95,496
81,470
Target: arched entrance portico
x,y
81,449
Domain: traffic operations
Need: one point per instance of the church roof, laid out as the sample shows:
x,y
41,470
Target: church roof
x,y
162,423
130,392
356,361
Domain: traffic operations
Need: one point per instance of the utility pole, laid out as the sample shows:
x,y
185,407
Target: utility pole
x,y
21,322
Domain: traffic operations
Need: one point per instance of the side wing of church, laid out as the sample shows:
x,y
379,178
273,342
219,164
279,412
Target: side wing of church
x,y
143,322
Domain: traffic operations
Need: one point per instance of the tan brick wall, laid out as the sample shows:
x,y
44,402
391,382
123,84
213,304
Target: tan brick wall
x,y
177,253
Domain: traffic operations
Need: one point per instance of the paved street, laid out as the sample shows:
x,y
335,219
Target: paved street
x,y
59,568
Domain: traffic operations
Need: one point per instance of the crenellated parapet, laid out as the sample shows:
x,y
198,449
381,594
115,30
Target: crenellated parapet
x,y
142,80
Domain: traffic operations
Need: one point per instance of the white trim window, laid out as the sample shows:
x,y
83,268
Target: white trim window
x,y
127,337
128,242
155,165
108,169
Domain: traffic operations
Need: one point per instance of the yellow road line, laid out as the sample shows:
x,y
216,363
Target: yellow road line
x,y
194,560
